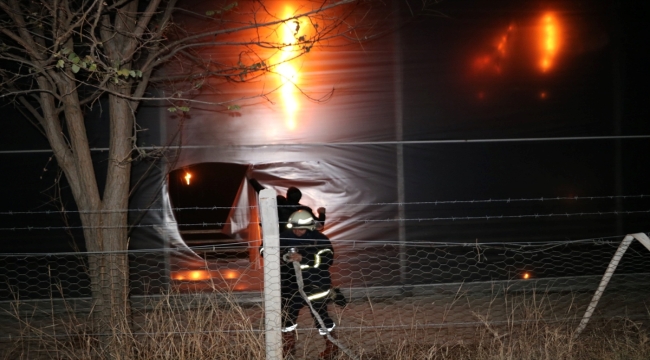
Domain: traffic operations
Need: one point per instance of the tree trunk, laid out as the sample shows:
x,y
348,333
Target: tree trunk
x,y
103,216
109,267
109,273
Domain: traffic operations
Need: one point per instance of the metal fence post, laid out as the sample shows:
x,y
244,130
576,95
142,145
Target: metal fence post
x,y
271,238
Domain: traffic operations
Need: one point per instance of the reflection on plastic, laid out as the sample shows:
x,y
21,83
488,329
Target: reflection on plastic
x,y
191,275
288,73
202,275
492,63
545,37
230,274
549,40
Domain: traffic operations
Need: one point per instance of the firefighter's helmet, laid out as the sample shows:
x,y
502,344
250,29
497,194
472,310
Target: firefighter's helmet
x,y
301,219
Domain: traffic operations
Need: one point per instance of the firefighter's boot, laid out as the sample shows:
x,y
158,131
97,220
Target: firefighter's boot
x,y
288,343
331,350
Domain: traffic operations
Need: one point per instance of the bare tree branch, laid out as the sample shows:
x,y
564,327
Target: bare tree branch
x,y
24,39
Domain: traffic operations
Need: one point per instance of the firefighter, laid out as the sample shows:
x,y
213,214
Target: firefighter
x,y
293,204
313,251
289,204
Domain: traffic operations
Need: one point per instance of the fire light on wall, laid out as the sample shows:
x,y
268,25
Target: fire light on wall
x,y
230,274
191,275
202,275
187,178
549,40
288,74
492,62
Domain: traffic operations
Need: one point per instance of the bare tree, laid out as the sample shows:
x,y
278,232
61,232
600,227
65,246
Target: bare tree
x,y
58,58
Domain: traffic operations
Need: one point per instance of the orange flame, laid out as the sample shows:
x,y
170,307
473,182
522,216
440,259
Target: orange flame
x,y
230,274
288,73
187,178
191,275
550,41
492,62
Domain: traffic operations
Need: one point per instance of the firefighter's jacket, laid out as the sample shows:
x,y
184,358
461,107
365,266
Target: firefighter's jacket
x,y
317,257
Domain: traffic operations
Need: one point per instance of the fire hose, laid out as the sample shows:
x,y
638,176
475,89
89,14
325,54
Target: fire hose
x,y
298,270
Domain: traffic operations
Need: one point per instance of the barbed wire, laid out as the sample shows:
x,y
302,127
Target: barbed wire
x,y
508,200
354,143
363,221
435,202
542,245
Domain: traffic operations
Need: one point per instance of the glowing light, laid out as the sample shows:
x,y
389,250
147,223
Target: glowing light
x,y
230,274
191,275
542,95
550,41
493,61
481,63
287,71
502,45
187,178
526,276
241,287
289,99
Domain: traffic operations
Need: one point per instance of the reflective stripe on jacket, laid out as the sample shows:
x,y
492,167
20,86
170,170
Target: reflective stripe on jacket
x,y
317,257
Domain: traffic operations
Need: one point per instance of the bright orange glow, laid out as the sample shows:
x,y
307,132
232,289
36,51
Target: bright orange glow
x,y
191,275
502,45
287,71
241,287
526,276
482,62
492,62
549,41
187,178
230,274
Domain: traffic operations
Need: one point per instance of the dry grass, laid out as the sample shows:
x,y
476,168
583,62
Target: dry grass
x,y
213,327
615,340
532,330
205,327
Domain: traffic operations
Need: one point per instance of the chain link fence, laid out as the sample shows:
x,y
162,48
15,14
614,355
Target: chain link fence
x,y
415,290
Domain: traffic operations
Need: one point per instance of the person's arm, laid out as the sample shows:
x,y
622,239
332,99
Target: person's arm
x,y
326,252
319,224
319,256
321,215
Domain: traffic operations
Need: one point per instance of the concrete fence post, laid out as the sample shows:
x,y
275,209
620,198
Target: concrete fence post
x,y
622,248
272,309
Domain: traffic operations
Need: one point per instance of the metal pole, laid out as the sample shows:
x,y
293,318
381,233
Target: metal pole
x,y
399,137
272,308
